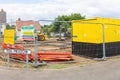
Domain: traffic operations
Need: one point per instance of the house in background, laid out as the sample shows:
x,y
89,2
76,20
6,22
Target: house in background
x,y
3,27
20,23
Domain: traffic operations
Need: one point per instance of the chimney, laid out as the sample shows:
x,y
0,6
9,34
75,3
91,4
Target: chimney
x,y
19,19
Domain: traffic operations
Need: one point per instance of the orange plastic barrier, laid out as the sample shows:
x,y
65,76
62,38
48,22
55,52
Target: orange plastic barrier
x,y
17,56
22,57
6,46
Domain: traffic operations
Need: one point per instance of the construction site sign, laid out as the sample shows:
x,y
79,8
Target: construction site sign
x,y
27,32
15,51
9,36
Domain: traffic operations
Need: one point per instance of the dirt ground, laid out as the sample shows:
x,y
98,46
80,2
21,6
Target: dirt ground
x,y
49,46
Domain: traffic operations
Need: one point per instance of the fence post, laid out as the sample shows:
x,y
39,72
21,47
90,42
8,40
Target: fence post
x,y
60,27
103,41
36,48
27,62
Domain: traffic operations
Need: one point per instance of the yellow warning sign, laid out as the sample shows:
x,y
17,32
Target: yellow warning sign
x,y
9,36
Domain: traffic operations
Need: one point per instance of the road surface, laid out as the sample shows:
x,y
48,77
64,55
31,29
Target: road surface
x,y
106,70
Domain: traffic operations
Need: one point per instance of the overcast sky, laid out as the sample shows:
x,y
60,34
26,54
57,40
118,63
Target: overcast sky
x,y
49,9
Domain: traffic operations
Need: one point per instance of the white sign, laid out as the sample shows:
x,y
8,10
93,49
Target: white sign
x,y
27,32
14,51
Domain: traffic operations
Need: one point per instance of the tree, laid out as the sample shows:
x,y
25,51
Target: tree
x,y
10,26
65,25
76,16
46,29
62,24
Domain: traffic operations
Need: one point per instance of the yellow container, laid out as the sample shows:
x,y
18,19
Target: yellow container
x,y
90,30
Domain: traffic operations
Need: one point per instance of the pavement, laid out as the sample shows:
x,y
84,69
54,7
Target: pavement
x,y
106,70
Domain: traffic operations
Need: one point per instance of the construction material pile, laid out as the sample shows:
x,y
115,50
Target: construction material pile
x,y
41,56
55,56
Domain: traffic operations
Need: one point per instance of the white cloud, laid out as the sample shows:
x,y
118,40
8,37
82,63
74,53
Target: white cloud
x,y
52,8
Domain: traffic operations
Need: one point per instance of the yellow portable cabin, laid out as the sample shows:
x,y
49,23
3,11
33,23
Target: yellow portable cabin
x,y
88,36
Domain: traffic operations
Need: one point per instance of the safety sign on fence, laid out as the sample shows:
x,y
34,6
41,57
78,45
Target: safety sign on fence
x,y
15,51
27,33
9,36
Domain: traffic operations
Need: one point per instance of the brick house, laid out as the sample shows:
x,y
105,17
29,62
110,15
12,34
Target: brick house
x,y
20,23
